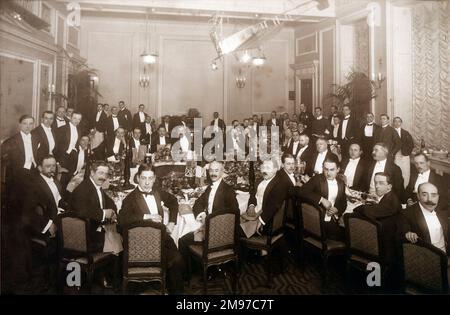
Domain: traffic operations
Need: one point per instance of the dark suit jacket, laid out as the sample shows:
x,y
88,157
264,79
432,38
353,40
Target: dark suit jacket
x,y
42,142
406,142
63,141
85,202
40,206
99,125
109,126
359,181
394,172
306,155
134,207
137,122
306,118
390,137
386,212
412,220
318,127
224,201
290,147
13,152
352,131
368,142
110,148
311,162
316,188
435,179
221,124
269,123
54,124
73,160
156,141
127,118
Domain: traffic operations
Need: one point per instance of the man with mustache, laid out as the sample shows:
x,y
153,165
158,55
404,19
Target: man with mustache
x,y
426,220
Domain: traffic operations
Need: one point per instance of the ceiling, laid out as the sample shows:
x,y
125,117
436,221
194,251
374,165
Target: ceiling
x,y
291,11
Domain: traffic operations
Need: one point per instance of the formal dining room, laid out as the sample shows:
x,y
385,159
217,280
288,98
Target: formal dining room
x,y
225,147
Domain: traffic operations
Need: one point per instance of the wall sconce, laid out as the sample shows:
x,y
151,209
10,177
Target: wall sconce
x,y
378,79
240,80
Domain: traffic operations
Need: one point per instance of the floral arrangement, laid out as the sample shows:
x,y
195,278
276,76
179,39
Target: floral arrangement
x,y
163,154
237,174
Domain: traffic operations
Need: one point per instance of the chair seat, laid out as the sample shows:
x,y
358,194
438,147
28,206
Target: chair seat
x,y
39,241
359,259
290,225
260,240
143,271
198,250
97,257
331,244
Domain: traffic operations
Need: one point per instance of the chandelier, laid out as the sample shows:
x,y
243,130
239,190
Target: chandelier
x,y
146,60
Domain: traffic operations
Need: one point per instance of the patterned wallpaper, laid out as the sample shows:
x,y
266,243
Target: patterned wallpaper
x,y
361,46
431,74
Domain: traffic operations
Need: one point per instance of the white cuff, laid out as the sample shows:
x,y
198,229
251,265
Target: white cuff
x,y
104,215
200,214
261,220
112,158
49,224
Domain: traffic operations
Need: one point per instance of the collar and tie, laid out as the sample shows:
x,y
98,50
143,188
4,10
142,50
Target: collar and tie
x,y
60,119
146,194
371,124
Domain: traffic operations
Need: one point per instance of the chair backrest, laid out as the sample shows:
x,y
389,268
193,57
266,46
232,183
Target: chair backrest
x,y
311,220
220,232
425,267
277,224
363,236
143,245
73,234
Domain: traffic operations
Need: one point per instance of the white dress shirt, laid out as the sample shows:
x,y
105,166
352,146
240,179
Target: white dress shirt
x,y
73,138
148,128
100,199
141,117
80,161
399,131
56,196
435,228
151,204
115,122
116,147
318,167
166,125
344,126
368,130
216,124
60,122
350,171
332,195
291,177
29,157
260,193
162,140
421,178
50,138
184,143
335,131
274,121
295,145
137,144
379,167
212,195
97,117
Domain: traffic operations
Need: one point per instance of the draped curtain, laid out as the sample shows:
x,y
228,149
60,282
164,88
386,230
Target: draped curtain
x,y
431,74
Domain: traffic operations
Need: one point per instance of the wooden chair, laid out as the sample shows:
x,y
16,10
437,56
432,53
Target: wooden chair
x,y
144,257
74,245
220,245
274,238
364,244
313,234
425,269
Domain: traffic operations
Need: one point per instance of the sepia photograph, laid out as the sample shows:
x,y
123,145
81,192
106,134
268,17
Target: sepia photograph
x,y
211,150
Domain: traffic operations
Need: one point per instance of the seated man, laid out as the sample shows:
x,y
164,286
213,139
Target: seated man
x,y
328,192
354,169
314,164
159,138
218,198
385,211
115,147
423,174
145,203
426,220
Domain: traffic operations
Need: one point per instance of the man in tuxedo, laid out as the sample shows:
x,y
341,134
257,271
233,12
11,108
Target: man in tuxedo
x,y
60,119
66,141
388,136
328,192
43,202
334,112
159,138
306,150
426,220
319,126
114,149
98,119
305,117
293,146
273,121
348,130
422,173
334,135
354,169
218,123
386,211
218,198
125,115
91,202
19,159
314,164
383,163
112,123
69,112
139,119
402,158
77,160
148,130
145,203
166,124
368,133
44,135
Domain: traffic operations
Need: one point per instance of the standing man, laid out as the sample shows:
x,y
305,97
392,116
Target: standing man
x,y
314,165
218,123
388,136
348,130
402,158
125,115
61,119
305,117
45,135
368,133
139,119
319,126
273,121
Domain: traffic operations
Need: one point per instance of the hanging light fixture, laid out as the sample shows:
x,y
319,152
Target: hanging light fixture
x,y
146,59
